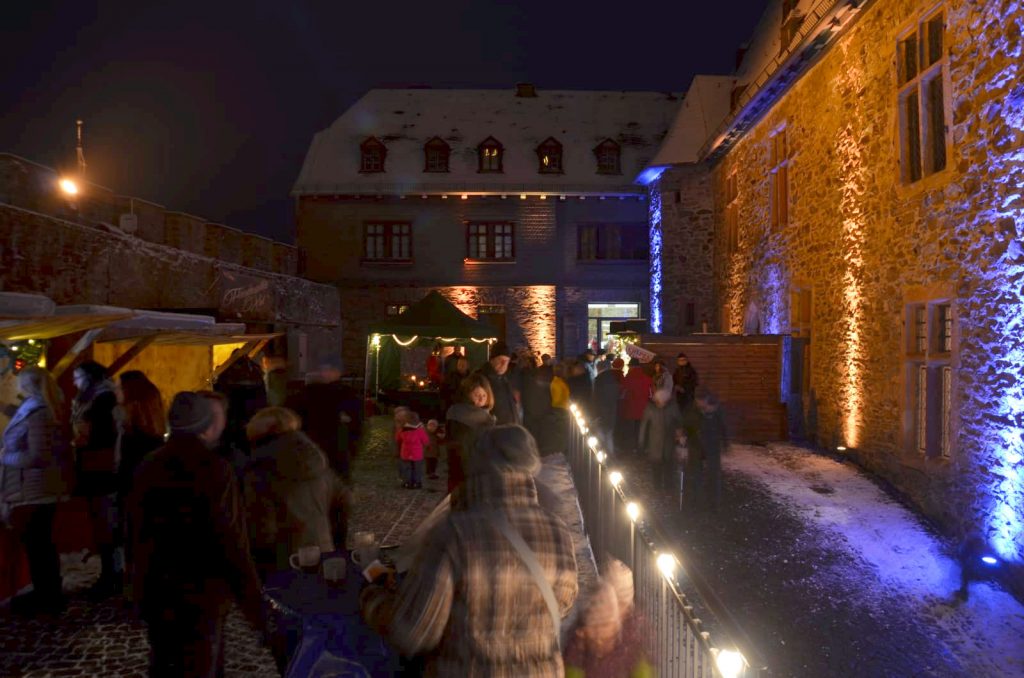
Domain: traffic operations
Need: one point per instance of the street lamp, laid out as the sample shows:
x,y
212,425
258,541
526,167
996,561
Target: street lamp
x,y
730,663
69,186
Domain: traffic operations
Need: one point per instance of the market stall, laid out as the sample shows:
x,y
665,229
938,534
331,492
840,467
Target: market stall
x,y
398,349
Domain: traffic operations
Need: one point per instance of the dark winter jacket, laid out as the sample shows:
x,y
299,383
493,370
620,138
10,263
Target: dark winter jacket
x,y
505,410
657,431
450,387
188,532
36,459
465,422
607,394
712,435
685,379
320,406
536,399
292,499
276,383
243,385
133,446
581,391
95,437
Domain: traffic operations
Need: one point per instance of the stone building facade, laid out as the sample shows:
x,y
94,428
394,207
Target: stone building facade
x,y
871,207
82,252
416,170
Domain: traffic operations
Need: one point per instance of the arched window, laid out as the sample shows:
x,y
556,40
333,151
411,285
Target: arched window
x,y
372,152
490,153
608,155
435,155
549,157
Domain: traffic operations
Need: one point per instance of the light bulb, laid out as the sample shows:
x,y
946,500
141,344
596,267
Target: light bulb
x,y
667,564
730,663
615,478
633,510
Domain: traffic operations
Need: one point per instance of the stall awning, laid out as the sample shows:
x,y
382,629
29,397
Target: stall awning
x,y
19,306
65,320
431,317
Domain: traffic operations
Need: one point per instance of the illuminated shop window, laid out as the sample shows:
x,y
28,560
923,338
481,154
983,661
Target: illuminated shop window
x,y
922,73
929,356
601,315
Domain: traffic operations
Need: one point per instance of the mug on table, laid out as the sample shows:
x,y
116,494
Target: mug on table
x,y
307,558
364,548
334,570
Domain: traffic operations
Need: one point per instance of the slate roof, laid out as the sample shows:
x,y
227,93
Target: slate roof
x,y
406,119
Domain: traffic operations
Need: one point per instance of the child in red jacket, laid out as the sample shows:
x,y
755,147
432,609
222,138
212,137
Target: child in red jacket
x,y
412,440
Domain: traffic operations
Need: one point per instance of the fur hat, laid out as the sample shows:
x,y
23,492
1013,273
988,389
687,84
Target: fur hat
x,y
502,449
189,414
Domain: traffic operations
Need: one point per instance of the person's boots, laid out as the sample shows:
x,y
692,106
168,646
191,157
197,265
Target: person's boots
x,y
109,583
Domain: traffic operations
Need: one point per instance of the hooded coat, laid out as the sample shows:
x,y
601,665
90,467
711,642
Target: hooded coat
x,y
36,461
607,394
657,430
292,499
505,409
465,422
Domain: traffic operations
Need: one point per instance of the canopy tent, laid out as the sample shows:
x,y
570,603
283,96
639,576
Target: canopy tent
x,y
431,320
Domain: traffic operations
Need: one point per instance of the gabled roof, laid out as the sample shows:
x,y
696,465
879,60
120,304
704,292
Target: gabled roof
x,y
431,317
405,119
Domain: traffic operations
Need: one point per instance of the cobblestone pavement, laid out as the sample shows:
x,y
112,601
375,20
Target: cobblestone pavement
x,y
792,592
102,639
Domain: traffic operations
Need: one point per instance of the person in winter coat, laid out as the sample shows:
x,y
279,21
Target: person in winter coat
x,y
243,385
412,442
94,434
607,395
505,410
331,415
35,462
661,380
713,442
275,379
581,386
191,546
292,497
636,392
466,420
536,400
685,381
453,380
659,429
472,605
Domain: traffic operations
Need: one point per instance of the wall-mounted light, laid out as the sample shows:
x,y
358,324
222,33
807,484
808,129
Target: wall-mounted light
x,y
633,510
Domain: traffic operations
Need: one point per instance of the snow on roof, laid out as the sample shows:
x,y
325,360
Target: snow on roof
x,y
406,119
704,107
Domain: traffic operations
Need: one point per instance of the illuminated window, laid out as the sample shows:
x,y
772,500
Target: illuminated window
x,y
373,153
598,242
601,315
779,162
549,156
436,153
732,226
929,356
490,154
387,241
397,309
490,241
922,72
608,156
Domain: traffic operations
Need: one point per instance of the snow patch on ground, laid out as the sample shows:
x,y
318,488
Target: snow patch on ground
x,y
905,559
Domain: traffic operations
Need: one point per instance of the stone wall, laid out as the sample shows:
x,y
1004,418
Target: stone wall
x,y
76,264
684,203
864,245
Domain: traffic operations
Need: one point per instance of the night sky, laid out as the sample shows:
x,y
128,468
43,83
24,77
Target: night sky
x,y
209,107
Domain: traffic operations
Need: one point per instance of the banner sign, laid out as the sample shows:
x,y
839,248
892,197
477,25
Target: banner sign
x,y
640,353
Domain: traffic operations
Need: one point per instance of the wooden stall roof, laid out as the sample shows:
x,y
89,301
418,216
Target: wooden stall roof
x,y
18,306
65,320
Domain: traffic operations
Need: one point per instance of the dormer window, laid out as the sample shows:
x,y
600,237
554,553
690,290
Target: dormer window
x,y
549,155
373,153
490,153
608,156
436,153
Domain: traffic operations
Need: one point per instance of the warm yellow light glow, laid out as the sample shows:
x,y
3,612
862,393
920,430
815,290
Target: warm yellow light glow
x,y
543,197
667,564
730,663
404,343
69,186
31,342
615,478
633,510
42,361
375,341
522,196
592,442
465,197
601,456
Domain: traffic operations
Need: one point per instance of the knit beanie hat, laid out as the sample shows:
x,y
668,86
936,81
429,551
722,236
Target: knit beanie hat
x,y
190,413
503,449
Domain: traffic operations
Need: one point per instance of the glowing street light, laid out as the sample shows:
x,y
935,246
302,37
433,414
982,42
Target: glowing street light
x,y
730,663
68,186
601,456
592,442
633,510
667,564
615,478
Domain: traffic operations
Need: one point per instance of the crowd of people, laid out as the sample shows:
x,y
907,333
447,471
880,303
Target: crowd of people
x,y
192,505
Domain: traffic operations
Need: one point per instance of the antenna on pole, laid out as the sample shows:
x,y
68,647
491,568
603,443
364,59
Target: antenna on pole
x,y
80,153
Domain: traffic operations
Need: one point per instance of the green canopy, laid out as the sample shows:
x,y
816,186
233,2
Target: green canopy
x,y
433,317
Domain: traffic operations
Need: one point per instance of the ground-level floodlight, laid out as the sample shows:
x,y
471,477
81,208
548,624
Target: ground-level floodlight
x,y
592,442
615,478
667,564
633,509
68,186
730,663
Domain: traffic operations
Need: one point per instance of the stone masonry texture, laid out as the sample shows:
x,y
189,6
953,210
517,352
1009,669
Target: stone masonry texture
x,y
866,244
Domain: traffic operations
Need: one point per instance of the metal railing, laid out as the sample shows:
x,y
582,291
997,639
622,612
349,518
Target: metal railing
x,y
618,527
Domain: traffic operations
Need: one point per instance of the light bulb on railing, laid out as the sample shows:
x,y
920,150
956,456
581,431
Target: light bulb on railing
x,y
601,456
615,478
667,564
592,441
730,663
633,509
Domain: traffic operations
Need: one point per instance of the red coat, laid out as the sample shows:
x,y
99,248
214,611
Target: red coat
x,y
413,441
636,391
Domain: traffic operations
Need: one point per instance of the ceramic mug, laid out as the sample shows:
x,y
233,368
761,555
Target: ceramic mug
x,y
364,548
308,557
334,570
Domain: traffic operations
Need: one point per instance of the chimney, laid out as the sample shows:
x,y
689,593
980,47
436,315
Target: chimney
x,y
525,90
